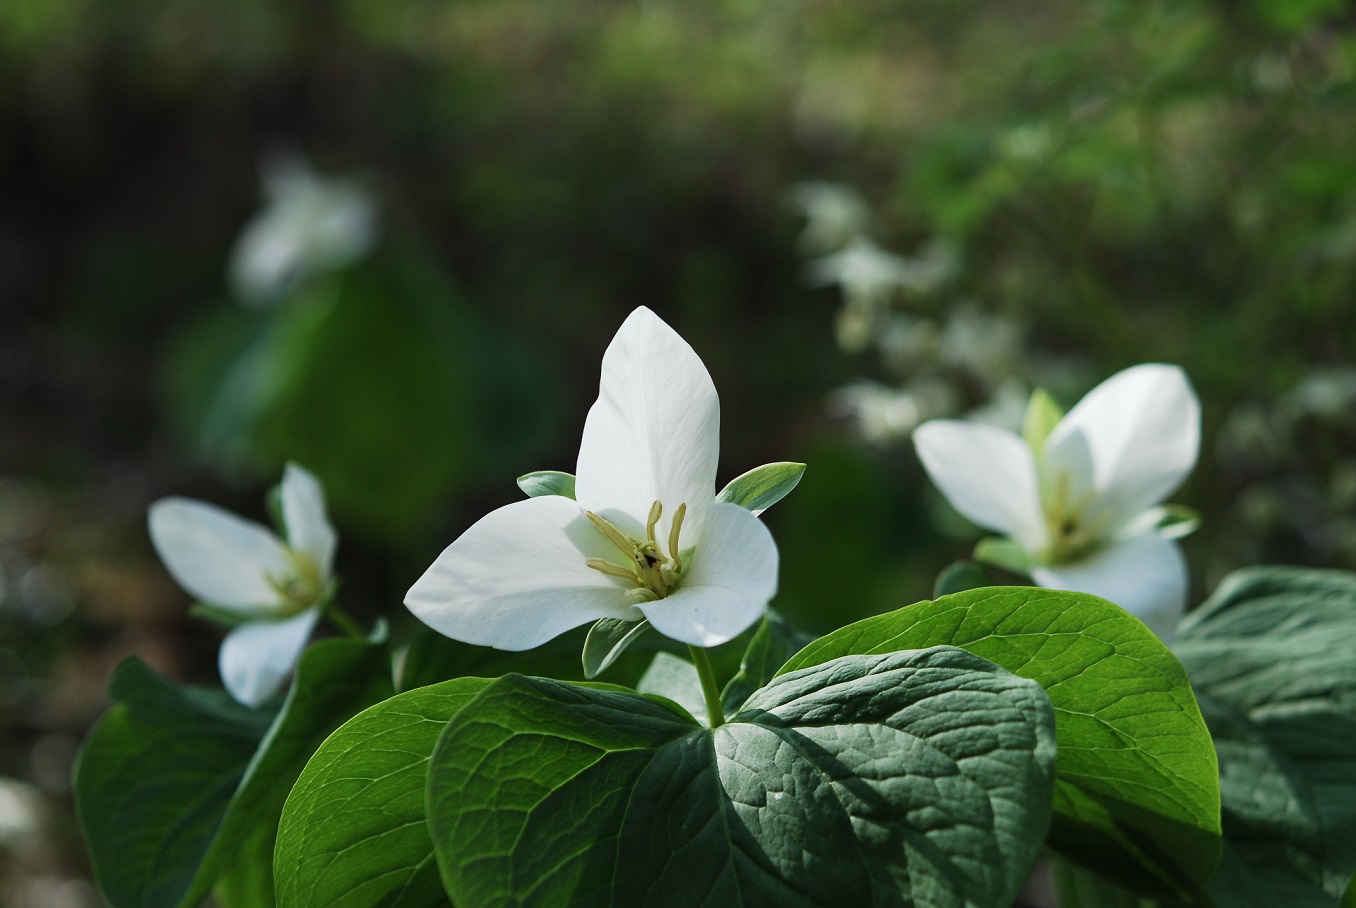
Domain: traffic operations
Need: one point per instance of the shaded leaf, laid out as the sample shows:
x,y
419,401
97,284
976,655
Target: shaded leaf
x,y
910,778
1136,796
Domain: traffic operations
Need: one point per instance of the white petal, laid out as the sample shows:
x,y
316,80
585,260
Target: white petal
x,y
726,589
1138,433
303,506
1145,575
517,578
654,432
256,657
218,557
987,473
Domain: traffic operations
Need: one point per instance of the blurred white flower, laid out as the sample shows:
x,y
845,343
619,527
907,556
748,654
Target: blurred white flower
x,y
275,589
1079,497
883,414
870,277
309,224
645,537
834,213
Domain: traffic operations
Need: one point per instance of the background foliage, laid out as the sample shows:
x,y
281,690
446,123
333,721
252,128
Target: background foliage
x,y
1116,182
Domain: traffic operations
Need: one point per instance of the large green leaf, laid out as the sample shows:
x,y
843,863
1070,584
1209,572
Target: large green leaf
x,y
1273,658
1136,796
362,797
174,782
916,778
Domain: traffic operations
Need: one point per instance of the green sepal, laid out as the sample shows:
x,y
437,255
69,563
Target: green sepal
x,y
925,774
960,576
1041,417
274,503
762,487
222,617
608,638
1003,553
174,781
547,482
1137,791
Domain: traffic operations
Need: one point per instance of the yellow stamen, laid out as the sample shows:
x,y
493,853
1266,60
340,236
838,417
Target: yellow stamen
x,y
674,529
604,566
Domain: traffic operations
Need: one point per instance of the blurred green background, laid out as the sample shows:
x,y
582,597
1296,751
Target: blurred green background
x,y
1071,188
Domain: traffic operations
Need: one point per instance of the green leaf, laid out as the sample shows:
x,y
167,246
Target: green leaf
x,y
762,487
772,644
675,678
547,482
1004,554
1136,796
608,638
1080,888
1271,657
173,782
154,781
919,778
1042,415
248,882
960,576
362,796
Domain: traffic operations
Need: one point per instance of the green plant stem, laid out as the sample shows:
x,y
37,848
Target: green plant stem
x,y
344,622
715,714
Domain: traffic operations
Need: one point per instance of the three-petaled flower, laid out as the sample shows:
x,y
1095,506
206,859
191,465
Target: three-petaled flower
x,y
643,537
273,589
1079,495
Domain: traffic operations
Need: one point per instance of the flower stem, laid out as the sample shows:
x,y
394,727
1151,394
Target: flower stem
x,y
715,714
344,621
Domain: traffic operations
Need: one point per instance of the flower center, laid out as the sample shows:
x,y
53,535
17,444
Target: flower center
x,y
651,573
1072,531
300,589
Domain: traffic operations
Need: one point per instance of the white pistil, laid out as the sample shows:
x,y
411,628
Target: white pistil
x,y
649,569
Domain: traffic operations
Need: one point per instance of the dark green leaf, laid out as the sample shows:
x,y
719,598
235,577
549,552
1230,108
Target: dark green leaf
x,y
608,638
1080,888
154,781
174,781
1136,796
772,644
960,576
762,487
1271,657
362,796
918,778
547,482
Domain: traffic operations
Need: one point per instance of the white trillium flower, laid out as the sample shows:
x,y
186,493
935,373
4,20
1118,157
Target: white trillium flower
x,y
274,588
1081,503
309,224
834,213
644,537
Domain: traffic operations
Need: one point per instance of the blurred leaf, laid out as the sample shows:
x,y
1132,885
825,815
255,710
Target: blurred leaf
x,y
174,782
800,799
1136,795
959,577
1271,657
1003,553
366,803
